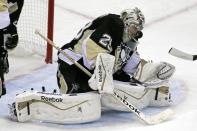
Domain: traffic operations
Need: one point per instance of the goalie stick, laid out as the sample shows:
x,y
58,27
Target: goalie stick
x,y
155,119
178,53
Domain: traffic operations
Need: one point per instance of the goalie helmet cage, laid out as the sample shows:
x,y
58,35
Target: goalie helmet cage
x,y
36,14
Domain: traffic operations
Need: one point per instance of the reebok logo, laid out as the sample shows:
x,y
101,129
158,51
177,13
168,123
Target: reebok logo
x,y
51,99
127,103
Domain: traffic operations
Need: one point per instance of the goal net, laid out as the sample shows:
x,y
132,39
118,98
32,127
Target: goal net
x,y
35,15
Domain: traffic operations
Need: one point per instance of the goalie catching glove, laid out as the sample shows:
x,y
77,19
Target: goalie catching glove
x,y
153,73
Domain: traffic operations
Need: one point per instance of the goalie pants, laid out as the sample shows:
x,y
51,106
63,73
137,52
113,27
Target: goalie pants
x,y
71,79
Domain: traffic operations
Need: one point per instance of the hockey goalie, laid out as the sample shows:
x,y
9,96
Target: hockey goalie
x,y
106,47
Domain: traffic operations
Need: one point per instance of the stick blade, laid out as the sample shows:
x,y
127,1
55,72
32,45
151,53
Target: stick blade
x,y
163,116
180,54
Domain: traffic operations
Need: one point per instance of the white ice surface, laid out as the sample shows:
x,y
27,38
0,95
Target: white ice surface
x,y
169,23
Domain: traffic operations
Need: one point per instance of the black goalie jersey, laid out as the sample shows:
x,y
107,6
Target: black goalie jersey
x,y
102,35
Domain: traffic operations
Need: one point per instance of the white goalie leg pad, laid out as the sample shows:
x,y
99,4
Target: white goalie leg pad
x,y
153,73
138,95
54,108
102,78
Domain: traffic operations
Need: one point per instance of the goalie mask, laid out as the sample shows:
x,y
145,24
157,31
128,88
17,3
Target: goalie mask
x,y
133,21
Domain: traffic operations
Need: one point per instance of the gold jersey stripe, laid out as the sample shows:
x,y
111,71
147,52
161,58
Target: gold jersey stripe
x,y
3,5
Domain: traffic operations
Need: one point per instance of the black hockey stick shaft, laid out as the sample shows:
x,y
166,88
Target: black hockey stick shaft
x,y
194,57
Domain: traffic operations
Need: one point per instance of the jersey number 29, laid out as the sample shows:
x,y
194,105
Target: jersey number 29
x,y
106,41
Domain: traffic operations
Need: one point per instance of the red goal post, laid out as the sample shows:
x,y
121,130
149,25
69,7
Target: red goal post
x,y
35,15
49,52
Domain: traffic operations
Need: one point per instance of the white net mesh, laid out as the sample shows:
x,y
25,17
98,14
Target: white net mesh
x,y
34,15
